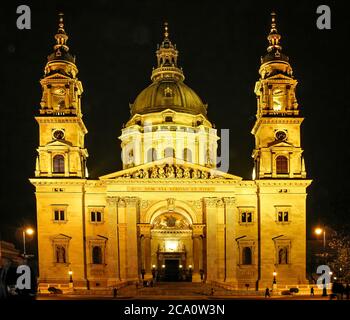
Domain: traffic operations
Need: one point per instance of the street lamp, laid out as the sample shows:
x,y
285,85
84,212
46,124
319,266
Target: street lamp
x,y
70,272
29,232
274,277
318,232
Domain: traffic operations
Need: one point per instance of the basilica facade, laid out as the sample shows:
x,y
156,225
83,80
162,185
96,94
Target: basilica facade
x,y
170,213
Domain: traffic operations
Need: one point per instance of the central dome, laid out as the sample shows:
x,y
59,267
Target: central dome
x,y
172,94
168,90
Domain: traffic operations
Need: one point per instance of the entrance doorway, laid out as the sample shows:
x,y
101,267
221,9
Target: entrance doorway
x,y
172,270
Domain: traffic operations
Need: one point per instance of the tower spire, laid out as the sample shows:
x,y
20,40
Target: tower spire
x,y
167,59
61,57
61,36
274,37
166,31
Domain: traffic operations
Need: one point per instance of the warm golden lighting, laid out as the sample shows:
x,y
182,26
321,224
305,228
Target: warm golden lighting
x,y
171,245
274,273
153,266
180,266
318,231
29,231
70,272
330,273
190,266
163,266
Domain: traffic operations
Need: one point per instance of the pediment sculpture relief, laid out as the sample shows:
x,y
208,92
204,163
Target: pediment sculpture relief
x,y
171,221
170,171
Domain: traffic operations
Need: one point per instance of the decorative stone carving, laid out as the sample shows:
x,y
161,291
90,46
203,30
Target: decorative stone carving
x,y
144,204
111,201
131,201
171,221
161,172
229,201
171,171
187,173
197,204
220,203
171,204
211,202
179,172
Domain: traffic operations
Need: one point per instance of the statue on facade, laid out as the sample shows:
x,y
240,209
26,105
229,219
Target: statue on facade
x,y
179,172
161,172
154,173
204,175
282,256
187,173
145,174
196,174
170,172
60,254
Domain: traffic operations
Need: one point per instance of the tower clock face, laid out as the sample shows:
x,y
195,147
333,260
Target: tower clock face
x,y
281,135
58,134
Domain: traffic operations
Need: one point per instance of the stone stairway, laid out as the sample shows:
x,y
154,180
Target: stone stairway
x,y
173,289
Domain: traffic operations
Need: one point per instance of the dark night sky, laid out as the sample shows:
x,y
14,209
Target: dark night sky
x,y
220,45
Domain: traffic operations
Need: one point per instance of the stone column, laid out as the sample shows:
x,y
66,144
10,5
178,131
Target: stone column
x,y
49,165
132,259
145,232
211,239
112,259
197,255
121,237
221,240
230,235
66,164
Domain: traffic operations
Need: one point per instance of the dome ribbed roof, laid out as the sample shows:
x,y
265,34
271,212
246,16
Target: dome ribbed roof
x,y
168,91
162,95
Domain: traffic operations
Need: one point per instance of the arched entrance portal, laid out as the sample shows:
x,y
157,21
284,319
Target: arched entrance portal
x,y
172,247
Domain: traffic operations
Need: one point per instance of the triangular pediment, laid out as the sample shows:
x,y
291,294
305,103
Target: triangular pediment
x,y
278,143
57,76
170,168
280,76
60,236
59,143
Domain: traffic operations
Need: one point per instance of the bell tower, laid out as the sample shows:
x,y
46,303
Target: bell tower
x,y
278,152
61,151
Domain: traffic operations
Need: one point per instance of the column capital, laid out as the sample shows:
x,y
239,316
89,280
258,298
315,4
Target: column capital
x,y
230,201
145,229
198,230
111,201
130,201
211,202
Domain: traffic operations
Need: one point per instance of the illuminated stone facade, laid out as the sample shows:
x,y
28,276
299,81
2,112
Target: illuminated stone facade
x,y
170,212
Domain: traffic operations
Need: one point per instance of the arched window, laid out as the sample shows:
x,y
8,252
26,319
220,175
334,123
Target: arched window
x,y
187,155
169,152
151,155
281,165
247,255
283,255
96,255
58,163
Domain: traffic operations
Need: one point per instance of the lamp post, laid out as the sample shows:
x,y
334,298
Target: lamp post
x,y
319,231
70,276
70,272
274,277
28,231
274,282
